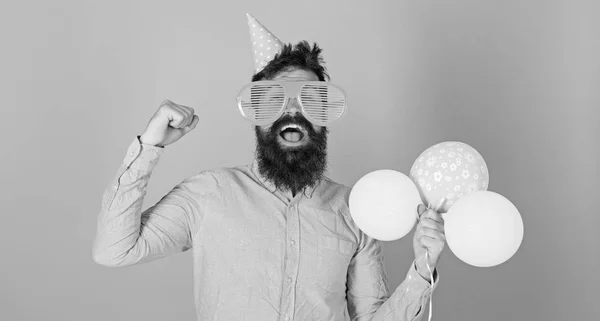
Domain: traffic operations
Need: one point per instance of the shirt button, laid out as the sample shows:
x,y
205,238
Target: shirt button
x,y
289,279
293,242
287,317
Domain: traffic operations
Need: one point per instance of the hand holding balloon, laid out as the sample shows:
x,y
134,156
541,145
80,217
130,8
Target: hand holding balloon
x,y
429,238
482,228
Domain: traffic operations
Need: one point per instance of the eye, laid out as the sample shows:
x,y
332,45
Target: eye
x,y
313,93
273,94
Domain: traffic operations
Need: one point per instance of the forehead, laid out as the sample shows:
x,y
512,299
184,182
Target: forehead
x,y
297,75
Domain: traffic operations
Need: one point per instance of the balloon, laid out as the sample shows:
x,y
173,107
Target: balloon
x,y
483,229
449,170
384,204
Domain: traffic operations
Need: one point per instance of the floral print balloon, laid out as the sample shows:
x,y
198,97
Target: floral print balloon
x,y
449,170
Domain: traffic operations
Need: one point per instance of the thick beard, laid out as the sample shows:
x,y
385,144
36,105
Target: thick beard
x,y
292,169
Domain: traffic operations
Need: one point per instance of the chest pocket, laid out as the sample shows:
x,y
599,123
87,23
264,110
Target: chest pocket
x,y
333,259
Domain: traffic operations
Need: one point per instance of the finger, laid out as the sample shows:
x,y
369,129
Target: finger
x,y
187,120
176,118
432,245
185,109
187,116
427,222
174,107
433,215
189,112
165,102
431,233
191,126
189,109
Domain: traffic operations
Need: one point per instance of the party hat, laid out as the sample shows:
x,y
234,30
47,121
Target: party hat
x,y
264,44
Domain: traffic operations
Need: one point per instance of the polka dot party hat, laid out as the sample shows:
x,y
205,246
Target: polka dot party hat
x,y
264,44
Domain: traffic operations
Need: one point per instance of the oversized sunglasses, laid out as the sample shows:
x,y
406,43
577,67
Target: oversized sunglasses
x,y
263,102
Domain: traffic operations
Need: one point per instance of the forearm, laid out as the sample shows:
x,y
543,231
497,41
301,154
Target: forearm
x,y
407,302
119,221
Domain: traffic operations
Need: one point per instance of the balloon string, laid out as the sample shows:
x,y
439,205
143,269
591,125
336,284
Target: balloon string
x,y
435,208
431,277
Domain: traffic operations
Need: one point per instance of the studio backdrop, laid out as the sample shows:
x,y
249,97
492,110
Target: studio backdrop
x,y
517,80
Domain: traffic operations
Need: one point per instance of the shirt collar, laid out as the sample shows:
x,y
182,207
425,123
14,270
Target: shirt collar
x,y
308,191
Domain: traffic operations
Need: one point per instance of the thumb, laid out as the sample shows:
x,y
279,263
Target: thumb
x,y
421,209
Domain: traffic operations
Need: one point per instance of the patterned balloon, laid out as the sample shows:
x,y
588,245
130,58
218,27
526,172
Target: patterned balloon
x,y
449,170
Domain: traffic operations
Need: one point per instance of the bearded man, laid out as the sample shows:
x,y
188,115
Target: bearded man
x,y
272,240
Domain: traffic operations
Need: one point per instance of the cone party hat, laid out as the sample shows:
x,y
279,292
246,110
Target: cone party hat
x,y
264,44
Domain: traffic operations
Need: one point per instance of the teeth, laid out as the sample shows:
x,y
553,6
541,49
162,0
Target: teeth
x,y
293,126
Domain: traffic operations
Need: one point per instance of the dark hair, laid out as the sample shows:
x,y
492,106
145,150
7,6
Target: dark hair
x,y
300,56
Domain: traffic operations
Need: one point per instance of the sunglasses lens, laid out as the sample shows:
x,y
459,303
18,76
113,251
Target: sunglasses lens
x,y
261,103
323,103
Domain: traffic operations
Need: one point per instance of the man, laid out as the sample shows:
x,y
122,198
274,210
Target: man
x,y
273,240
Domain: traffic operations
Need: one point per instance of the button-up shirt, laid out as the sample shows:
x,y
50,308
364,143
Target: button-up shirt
x,y
259,253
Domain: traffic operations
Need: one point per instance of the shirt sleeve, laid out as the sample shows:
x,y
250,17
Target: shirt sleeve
x,y
125,234
367,292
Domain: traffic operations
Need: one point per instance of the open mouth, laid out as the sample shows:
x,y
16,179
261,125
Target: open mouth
x,y
293,133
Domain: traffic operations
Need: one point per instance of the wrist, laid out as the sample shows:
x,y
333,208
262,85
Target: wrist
x,y
145,141
421,268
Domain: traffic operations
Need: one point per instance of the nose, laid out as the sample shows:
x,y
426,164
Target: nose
x,y
292,106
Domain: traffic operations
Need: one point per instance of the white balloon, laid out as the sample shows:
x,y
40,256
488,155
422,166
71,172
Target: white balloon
x,y
383,204
483,229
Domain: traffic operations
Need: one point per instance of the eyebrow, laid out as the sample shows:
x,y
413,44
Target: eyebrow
x,y
300,78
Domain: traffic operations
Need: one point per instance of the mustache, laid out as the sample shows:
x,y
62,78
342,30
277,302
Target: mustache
x,y
286,120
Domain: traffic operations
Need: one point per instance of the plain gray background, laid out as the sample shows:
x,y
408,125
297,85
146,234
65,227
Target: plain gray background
x,y
517,80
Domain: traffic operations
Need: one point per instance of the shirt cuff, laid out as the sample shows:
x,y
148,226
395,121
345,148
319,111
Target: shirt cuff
x,y
142,157
417,284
